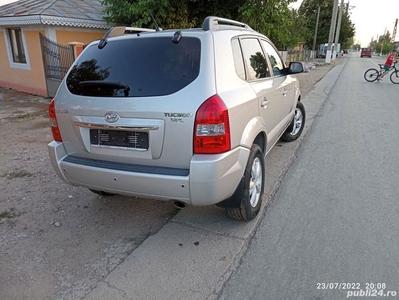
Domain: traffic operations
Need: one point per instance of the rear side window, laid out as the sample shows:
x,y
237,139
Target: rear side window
x,y
137,67
254,59
238,60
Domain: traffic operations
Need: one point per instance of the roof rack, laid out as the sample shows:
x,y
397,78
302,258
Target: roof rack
x,y
214,23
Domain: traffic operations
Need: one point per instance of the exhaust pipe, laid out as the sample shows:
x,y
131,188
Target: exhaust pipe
x,y
179,205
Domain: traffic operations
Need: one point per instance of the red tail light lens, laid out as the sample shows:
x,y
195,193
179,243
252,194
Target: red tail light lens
x,y
53,122
212,129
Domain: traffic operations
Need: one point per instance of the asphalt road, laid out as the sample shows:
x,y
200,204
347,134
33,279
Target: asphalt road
x,y
335,218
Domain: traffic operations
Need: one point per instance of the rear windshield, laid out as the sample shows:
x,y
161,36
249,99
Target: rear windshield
x,y
137,67
366,49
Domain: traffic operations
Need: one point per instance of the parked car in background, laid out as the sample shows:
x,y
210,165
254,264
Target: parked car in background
x,y
322,50
365,52
182,115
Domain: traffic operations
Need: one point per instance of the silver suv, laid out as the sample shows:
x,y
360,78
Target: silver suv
x,y
183,115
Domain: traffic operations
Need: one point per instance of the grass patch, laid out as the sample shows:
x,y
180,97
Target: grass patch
x,y
19,174
7,214
27,116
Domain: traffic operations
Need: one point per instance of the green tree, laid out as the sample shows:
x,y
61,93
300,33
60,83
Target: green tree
x,y
347,31
298,33
308,11
348,44
271,17
383,42
168,13
356,46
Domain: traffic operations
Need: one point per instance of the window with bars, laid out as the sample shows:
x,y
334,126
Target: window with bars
x,y
17,45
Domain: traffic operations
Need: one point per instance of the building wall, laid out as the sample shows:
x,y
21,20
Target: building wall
x,y
67,36
35,79
29,80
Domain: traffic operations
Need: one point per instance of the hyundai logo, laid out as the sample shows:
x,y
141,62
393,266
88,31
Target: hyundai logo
x,y
111,117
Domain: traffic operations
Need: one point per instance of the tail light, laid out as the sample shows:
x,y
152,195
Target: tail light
x,y
53,122
212,129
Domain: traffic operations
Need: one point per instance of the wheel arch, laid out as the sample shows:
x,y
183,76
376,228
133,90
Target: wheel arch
x,y
254,133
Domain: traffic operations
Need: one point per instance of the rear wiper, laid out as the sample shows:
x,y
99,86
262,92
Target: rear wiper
x,y
109,84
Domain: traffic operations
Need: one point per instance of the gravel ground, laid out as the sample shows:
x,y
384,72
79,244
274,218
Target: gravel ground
x,y
59,241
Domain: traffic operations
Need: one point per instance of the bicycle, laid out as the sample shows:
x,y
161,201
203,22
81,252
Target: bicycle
x,y
373,74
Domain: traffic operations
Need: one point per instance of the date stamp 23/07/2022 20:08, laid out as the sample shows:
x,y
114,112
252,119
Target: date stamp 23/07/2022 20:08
x,y
358,290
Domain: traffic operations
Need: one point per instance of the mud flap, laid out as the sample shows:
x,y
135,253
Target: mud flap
x,y
235,200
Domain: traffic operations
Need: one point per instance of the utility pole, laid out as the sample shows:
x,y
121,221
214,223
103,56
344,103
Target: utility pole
x,y
338,30
332,28
315,33
394,31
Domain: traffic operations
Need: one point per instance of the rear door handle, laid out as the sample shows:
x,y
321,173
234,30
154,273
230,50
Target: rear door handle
x,y
285,93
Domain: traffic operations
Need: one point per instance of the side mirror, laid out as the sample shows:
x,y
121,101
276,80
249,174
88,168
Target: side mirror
x,y
295,67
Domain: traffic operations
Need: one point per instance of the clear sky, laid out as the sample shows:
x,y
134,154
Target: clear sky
x,y
371,18
2,2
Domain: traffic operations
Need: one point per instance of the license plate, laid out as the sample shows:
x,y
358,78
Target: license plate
x,y
119,138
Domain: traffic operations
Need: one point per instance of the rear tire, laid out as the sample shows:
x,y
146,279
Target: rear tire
x,y
252,193
371,75
101,193
294,130
394,77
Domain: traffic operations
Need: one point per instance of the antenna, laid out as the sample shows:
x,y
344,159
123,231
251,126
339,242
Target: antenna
x,y
157,28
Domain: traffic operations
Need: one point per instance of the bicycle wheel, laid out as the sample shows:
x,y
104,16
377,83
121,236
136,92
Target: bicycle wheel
x,y
371,75
395,77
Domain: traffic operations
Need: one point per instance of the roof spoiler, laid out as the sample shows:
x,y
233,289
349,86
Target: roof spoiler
x,y
119,31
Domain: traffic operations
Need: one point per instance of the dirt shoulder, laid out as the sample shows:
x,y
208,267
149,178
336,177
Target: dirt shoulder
x,y
59,241
316,72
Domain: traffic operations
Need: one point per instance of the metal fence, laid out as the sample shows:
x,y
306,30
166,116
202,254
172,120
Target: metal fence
x,y
57,59
303,55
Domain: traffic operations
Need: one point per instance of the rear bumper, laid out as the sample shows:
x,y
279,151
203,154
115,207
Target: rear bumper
x,y
210,179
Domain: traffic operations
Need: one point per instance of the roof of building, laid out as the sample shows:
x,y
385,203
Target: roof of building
x,y
78,13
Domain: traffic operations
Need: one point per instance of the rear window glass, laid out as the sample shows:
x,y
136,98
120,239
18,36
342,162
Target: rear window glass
x,y
137,67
